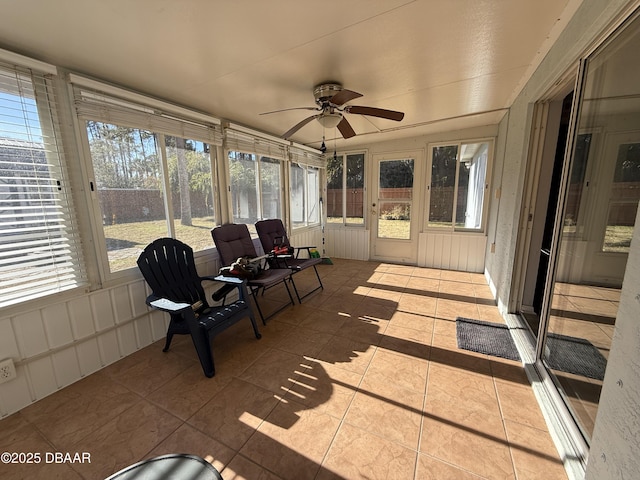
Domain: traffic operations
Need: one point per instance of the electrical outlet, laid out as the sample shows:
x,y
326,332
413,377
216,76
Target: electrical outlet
x,y
7,370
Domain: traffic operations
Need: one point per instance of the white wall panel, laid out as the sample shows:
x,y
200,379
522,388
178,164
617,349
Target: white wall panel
x,y
334,239
307,238
159,323
210,267
479,255
89,356
56,324
42,377
122,303
457,255
102,309
138,292
452,251
345,242
109,348
81,317
30,334
144,334
8,344
66,367
446,253
127,339
15,394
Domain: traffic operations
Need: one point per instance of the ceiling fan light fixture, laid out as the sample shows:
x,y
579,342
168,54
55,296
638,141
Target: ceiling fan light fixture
x,y
330,120
331,102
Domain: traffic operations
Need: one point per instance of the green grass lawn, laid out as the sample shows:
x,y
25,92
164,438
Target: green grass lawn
x,y
400,229
125,241
386,228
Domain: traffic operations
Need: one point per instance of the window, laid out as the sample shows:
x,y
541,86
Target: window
x,y
39,246
305,195
191,185
134,203
149,181
623,199
255,175
255,187
345,189
457,186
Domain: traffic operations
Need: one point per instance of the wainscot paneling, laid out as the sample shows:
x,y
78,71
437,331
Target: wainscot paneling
x,y
452,251
347,242
60,343
307,238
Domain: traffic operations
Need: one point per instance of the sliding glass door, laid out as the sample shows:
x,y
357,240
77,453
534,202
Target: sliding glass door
x,y
592,209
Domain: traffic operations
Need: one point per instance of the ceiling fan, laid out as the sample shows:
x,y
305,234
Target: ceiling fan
x,y
330,100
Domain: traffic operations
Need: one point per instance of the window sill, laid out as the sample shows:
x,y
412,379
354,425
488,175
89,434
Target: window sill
x,y
346,225
456,232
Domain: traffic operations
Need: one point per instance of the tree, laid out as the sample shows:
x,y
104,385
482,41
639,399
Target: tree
x,y
396,174
183,182
189,177
123,157
242,172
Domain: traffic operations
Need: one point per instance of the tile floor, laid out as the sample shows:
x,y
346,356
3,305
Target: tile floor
x,y
363,380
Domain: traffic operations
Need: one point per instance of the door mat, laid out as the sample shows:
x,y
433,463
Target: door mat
x,y
563,353
486,337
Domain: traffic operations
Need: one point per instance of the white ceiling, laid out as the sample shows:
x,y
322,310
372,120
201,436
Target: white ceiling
x,y
445,63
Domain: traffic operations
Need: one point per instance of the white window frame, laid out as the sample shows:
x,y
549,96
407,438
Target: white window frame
x,y
345,220
40,222
306,223
490,141
306,157
115,106
244,140
257,158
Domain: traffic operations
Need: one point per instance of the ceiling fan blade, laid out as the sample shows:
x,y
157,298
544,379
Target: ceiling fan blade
x,y
344,96
345,128
287,109
375,112
298,126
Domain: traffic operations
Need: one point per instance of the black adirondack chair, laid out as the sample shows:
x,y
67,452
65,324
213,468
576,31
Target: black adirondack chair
x,y
169,268
273,234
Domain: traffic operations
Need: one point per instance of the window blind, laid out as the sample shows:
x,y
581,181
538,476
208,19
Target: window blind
x,y
40,249
96,105
247,143
307,157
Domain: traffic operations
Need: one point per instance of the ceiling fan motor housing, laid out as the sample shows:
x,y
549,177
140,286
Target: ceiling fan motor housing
x,y
323,92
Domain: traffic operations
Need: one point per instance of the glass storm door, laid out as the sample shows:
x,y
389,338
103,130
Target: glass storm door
x,y
393,210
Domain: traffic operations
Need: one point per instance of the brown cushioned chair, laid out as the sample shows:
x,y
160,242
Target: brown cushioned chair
x,y
234,241
169,268
272,233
